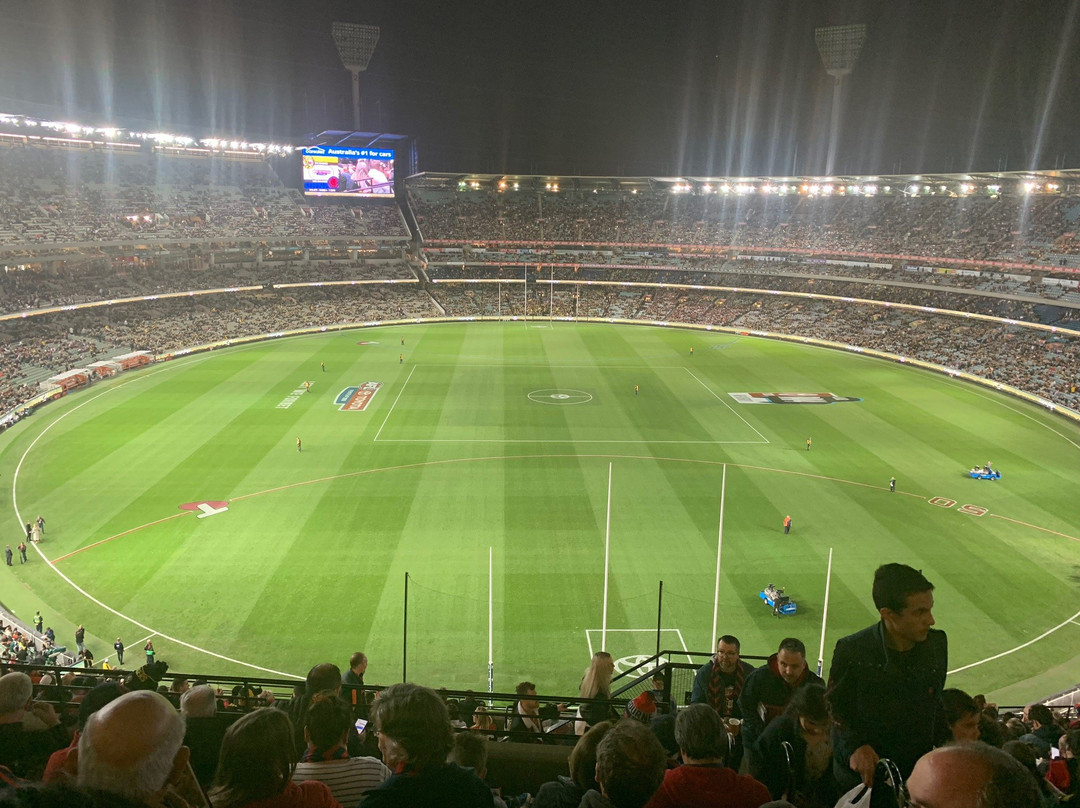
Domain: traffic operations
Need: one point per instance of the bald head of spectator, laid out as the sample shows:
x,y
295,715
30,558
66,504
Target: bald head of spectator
x,y
971,775
199,702
133,747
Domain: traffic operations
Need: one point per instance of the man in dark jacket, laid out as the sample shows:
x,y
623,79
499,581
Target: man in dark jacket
x,y
720,682
885,682
769,689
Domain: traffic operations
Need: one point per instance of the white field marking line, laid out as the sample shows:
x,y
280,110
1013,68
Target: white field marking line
x,y
83,592
1036,527
721,400
132,645
1017,648
396,400
1021,413
1074,623
682,642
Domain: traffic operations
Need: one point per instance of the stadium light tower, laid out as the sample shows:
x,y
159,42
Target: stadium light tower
x,y
839,47
355,45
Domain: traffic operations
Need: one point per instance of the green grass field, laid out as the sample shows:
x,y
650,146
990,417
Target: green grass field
x,y
501,436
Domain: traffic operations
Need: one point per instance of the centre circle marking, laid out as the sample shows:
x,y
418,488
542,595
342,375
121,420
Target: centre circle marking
x,y
560,395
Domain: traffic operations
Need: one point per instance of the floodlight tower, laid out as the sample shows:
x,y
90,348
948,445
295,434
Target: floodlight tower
x,y
839,47
355,45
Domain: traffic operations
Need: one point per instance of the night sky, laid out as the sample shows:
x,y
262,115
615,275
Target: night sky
x,y
636,87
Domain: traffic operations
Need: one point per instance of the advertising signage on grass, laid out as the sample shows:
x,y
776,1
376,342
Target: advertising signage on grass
x,y
341,171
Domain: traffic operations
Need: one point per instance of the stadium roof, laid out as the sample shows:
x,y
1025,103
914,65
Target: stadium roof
x,y
356,140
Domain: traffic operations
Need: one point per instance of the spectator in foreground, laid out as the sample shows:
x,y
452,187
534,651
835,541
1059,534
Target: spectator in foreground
x,y
805,725
321,678
567,792
62,763
596,684
719,683
1044,732
885,682
134,747
1028,756
23,751
353,682
204,731
413,727
256,767
630,765
529,716
704,778
327,760
1064,773
961,715
470,752
769,689
970,775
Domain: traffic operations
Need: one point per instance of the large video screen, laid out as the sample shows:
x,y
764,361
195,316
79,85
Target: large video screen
x,y
338,171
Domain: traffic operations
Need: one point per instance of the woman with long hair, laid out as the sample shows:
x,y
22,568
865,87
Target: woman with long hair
x,y
256,765
596,684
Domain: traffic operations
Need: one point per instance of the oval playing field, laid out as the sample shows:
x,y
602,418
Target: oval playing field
x,y
470,442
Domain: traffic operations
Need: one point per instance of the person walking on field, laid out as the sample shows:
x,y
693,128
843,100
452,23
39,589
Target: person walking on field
x,y
149,649
299,446
8,555
41,525
892,484
22,552
118,646
808,444
787,524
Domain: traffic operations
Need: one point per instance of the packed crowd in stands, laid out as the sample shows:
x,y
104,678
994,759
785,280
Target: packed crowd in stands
x,y
1061,292
743,737
1039,362
43,288
52,196
1011,227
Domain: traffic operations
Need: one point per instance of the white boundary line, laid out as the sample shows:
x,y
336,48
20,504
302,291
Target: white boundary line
x,y
390,411
79,589
1046,633
721,400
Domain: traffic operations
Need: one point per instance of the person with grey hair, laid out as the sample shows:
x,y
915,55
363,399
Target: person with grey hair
x,y
413,727
704,779
969,775
199,702
134,747
26,752
204,731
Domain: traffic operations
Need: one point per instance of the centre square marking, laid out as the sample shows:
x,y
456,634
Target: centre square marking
x,y
560,395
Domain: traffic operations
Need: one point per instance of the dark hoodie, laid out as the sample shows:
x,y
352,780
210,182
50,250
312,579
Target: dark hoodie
x,y
764,697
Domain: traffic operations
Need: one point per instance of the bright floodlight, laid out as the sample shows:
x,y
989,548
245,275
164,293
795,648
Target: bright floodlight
x,y
355,45
839,46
